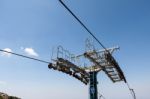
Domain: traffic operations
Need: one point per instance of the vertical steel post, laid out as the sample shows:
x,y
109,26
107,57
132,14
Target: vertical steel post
x,y
93,85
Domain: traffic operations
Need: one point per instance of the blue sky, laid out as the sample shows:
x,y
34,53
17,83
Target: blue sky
x,y
44,24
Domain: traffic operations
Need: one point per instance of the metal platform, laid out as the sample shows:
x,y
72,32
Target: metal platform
x,y
106,62
68,67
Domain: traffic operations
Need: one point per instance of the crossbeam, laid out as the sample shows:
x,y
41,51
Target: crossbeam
x,y
68,67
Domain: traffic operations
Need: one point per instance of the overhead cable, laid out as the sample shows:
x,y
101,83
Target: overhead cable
x,y
131,91
82,24
43,61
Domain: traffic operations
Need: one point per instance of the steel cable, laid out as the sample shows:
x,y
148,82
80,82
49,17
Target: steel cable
x,y
43,61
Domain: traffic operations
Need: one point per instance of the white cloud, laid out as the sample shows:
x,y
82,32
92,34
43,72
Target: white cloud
x,y
5,53
30,51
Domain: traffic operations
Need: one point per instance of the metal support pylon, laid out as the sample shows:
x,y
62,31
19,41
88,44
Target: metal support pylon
x,y
98,60
93,85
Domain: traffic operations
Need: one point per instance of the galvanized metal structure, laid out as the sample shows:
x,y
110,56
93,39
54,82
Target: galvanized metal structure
x,y
102,60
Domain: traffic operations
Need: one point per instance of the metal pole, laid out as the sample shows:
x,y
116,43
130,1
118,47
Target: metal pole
x,y
93,85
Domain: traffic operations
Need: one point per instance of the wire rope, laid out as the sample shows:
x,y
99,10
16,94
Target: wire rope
x,y
43,61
